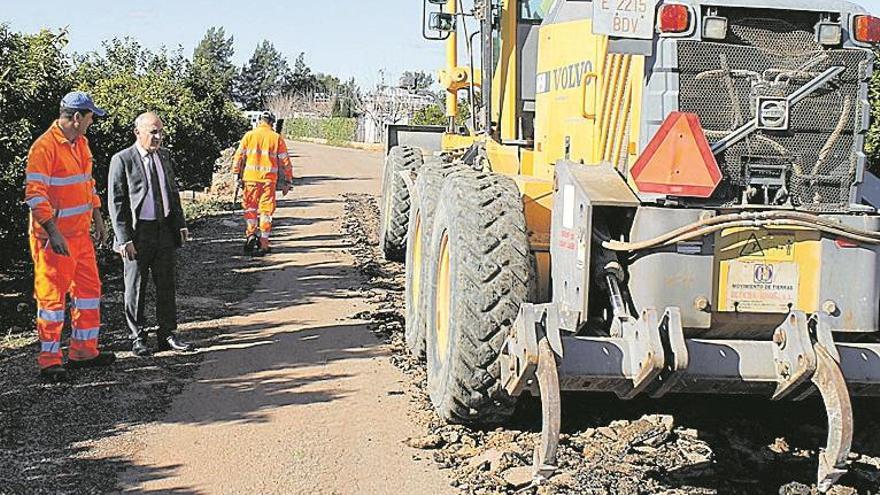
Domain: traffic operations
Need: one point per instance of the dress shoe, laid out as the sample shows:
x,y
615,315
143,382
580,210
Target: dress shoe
x,y
104,358
140,349
172,343
54,374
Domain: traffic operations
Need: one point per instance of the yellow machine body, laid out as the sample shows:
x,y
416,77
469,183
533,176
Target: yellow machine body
x,y
587,109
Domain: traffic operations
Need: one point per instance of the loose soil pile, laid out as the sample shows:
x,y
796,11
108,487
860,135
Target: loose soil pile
x,y
679,445
223,181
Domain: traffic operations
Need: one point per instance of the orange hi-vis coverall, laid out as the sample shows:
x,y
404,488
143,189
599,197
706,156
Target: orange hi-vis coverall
x,y
60,187
260,160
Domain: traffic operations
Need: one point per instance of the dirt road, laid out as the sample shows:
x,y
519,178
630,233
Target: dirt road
x,y
299,397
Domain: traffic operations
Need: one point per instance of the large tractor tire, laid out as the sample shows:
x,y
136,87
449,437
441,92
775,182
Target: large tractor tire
x,y
395,200
421,219
481,273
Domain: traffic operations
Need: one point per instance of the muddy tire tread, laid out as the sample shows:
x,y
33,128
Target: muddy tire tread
x,y
483,213
392,231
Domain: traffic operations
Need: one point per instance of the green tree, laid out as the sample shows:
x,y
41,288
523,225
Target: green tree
x,y
301,80
156,82
328,83
34,76
345,99
212,77
417,81
436,114
262,77
212,74
432,115
124,78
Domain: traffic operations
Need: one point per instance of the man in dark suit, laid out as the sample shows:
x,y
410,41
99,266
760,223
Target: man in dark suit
x,y
149,225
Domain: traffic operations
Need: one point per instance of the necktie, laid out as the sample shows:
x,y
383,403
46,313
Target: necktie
x,y
156,187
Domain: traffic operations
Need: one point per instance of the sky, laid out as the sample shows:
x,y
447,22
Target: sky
x,y
346,38
873,6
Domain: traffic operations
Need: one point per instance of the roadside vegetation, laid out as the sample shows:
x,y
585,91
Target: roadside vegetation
x,y
336,130
200,98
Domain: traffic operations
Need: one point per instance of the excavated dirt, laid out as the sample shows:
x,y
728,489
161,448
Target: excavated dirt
x,y
681,445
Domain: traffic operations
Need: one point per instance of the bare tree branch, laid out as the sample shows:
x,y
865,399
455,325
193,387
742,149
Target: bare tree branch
x,y
310,104
386,104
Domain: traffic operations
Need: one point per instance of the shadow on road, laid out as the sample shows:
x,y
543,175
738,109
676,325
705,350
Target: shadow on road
x,y
48,432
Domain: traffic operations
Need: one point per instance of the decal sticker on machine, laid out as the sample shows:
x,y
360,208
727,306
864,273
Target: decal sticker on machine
x,y
568,206
752,247
762,287
764,246
624,18
542,83
567,239
689,247
568,76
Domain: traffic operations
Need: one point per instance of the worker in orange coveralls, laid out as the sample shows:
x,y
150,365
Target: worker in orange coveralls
x,y
260,163
64,205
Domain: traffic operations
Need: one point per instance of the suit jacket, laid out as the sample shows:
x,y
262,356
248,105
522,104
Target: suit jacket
x,y
128,188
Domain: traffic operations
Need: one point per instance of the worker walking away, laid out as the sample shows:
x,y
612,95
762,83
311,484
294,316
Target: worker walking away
x,y
261,163
64,207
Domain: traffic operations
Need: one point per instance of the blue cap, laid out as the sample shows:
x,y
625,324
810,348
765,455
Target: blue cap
x,y
81,101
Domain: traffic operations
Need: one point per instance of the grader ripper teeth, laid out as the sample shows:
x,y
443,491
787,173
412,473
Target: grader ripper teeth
x,y
649,198
801,360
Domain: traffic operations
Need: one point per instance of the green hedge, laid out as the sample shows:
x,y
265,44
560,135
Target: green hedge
x,y
34,75
336,130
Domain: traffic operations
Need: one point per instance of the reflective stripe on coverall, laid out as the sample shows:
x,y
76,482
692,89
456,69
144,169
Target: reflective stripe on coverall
x,y
260,157
60,187
55,276
259,202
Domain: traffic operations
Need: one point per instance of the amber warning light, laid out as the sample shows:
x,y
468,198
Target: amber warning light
x,y
678,161
866,29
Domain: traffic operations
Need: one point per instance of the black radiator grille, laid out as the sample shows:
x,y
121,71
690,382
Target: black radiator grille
x,y
720,81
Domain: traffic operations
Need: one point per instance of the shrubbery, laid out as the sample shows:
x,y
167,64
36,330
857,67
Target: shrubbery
x,y
336,130
34,76
125,79
872,142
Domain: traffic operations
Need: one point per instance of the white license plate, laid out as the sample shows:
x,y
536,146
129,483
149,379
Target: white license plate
x,y
624,18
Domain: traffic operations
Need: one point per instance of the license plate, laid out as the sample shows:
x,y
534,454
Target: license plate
x,y
761,287
624,18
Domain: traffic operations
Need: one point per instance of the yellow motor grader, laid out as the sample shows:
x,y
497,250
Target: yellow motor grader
x,y
650,198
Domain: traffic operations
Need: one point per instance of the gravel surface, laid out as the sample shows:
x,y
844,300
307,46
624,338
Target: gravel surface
x,y
680,445
48,432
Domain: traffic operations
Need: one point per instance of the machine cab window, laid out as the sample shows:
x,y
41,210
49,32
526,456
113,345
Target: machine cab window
x,y
535,10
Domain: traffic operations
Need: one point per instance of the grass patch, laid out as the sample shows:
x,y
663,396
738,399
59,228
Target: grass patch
x,y
17,340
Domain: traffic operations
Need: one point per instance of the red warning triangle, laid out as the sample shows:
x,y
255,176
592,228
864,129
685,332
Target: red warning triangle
x,y
678,161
